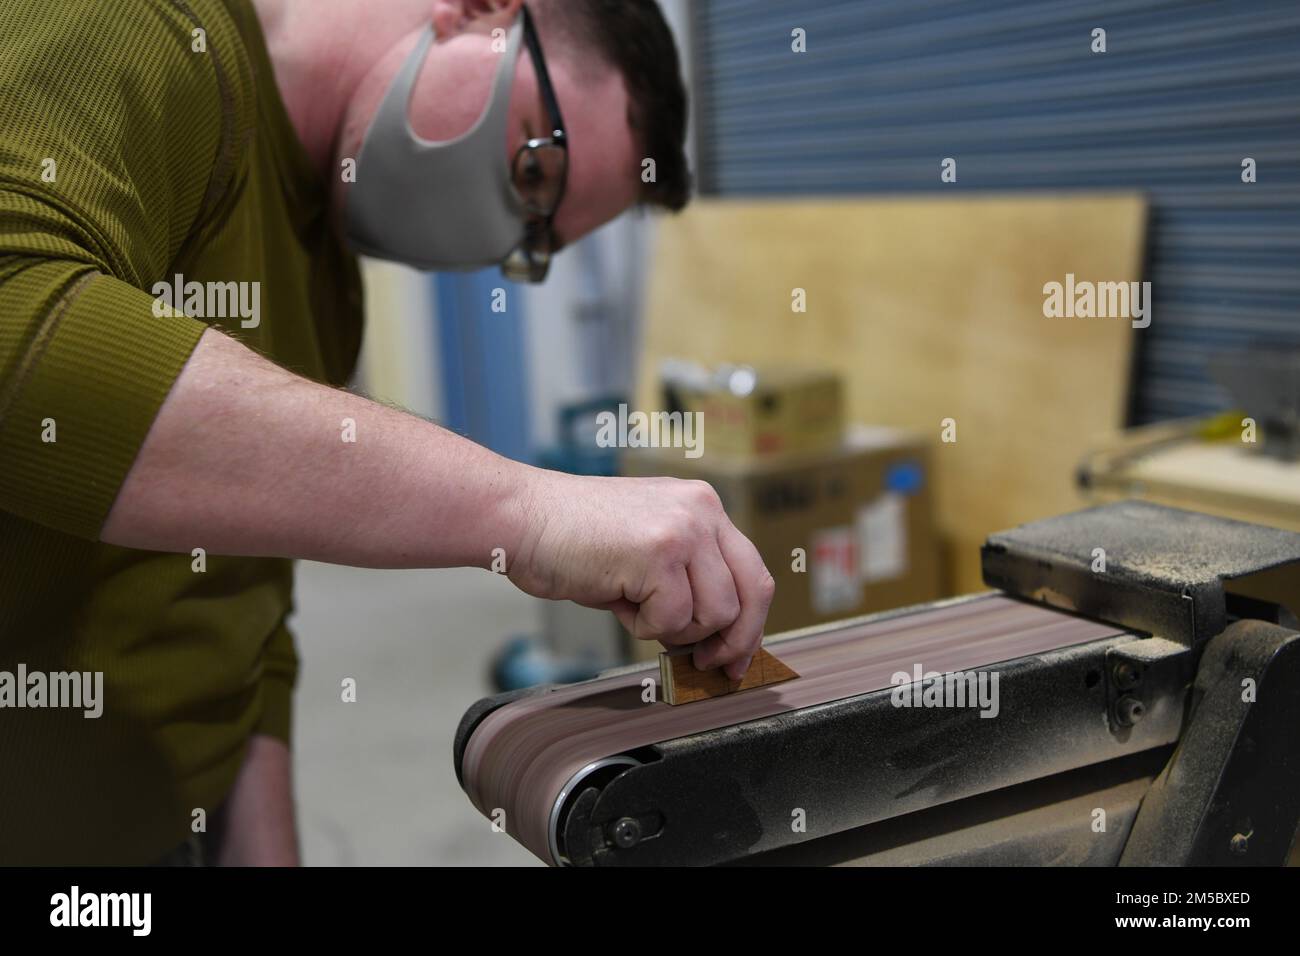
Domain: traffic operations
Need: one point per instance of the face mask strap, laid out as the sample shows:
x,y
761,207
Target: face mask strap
x,y
503,84
396,105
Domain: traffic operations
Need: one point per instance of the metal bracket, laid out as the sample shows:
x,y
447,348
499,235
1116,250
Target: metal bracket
x,y
1140,673
1230,794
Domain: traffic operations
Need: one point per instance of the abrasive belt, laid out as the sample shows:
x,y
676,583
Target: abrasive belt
x,y
519,758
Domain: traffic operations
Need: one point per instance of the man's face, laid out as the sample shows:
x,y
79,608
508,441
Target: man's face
x,y
453,89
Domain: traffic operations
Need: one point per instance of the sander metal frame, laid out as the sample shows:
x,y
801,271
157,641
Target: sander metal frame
x,y
1190,768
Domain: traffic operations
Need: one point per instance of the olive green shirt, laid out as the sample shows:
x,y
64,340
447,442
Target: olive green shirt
x,y
140,140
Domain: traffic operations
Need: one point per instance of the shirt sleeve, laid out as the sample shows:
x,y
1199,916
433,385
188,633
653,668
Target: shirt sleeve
x,y
279,675
115,151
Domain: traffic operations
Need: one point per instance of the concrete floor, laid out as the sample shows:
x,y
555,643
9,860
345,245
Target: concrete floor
x,y
375,783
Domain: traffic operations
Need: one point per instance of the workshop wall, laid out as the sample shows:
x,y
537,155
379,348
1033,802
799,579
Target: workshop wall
x,y
921,330
1014,92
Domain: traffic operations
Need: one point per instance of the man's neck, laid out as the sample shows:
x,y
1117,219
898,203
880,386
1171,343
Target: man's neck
x,y
322,51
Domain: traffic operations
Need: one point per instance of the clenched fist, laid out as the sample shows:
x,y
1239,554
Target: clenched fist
x,y
658,552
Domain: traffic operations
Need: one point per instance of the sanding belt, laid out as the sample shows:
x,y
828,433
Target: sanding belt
x,y
521,756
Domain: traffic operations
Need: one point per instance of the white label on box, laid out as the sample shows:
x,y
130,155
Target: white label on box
x,y
834,572
882,538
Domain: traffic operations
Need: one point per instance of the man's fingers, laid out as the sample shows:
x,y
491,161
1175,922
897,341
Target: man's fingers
x,y
666,613
712,597
736,645
624,610
715,594
626,613
716,605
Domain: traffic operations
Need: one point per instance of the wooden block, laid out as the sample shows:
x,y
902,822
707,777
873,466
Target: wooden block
x,y
682,683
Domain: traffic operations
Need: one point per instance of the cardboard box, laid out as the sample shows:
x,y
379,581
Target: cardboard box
x,y
845,532
751,412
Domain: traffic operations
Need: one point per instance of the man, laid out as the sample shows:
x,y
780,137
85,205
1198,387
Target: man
x,y
181,183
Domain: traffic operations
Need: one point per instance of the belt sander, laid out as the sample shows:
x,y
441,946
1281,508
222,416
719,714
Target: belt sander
x,y
1129,694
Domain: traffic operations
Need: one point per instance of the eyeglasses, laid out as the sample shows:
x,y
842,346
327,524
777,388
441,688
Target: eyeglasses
x,y
539,170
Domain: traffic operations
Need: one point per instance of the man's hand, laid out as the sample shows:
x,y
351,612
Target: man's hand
x,y
247,458
659,552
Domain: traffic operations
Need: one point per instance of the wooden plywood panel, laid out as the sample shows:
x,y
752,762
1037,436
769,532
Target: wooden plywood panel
x,y
931,309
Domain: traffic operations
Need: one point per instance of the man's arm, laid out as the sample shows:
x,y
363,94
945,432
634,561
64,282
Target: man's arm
x,y
247,458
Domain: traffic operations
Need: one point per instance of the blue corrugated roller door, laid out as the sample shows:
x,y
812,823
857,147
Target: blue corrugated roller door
x,y
1012,88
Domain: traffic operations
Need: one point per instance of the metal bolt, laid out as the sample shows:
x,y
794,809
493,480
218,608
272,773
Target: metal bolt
x,y
1126,676
1239,843
627,833
1129,710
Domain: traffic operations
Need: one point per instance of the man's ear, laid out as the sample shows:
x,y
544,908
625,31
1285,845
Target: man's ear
x,y
453,16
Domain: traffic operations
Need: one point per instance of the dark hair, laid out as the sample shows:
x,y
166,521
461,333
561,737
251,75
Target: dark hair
x,y
632,37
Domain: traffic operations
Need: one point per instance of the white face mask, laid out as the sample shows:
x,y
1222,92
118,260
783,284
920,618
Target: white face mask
x,y
440,205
